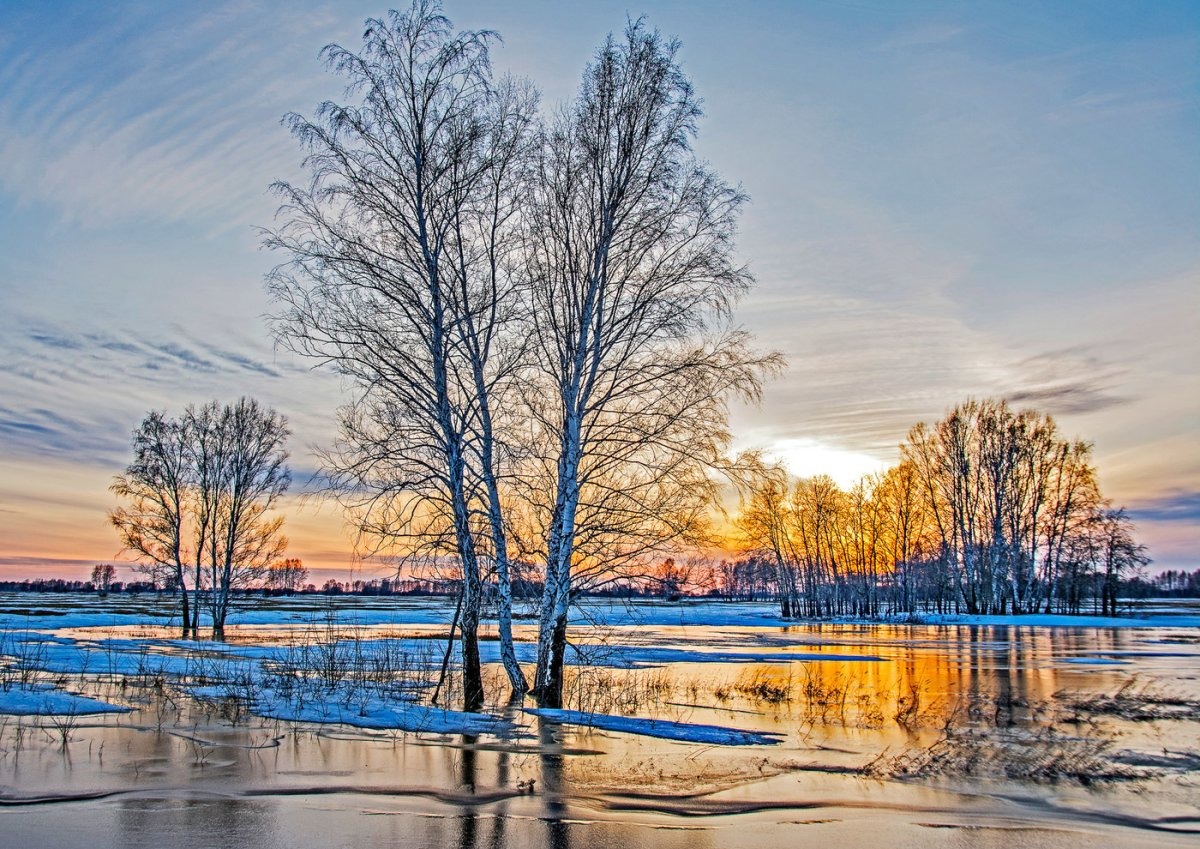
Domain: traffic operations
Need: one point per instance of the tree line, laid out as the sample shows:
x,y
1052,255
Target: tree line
x,y
748,578
990,511
1177,583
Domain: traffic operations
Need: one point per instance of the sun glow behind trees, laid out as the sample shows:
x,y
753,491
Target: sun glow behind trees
x,y
989,511
807,457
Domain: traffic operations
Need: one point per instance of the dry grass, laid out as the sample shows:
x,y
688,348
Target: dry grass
x,y
1045,756
1070,742
820,697
1133,701
765,684
598,690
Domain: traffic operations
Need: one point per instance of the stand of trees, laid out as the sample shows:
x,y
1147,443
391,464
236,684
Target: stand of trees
x,y
198,496
102,577
534,312
989,511
1175,583
286,576
535,315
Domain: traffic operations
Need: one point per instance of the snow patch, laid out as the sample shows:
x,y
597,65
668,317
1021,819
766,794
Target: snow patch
x,y
363,712
44,700
689,732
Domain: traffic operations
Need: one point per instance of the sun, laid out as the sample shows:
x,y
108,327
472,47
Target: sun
x,y
805,458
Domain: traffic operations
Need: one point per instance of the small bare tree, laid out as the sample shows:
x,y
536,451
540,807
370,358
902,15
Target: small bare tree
x,y
908,528
239,481
1120,555
102,577
158,486
287,576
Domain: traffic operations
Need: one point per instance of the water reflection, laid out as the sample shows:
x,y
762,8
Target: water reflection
x,y
262,784
930,674
156,822
467,820
554,789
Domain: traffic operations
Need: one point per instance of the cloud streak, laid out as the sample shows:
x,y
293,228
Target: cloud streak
x,y
176,124
59,398
1183,507
1072,380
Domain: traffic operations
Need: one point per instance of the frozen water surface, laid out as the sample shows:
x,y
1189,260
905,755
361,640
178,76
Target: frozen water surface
x,y
697,725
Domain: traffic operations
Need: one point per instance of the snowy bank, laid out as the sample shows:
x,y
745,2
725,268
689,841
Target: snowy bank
x,y
689,732
44,700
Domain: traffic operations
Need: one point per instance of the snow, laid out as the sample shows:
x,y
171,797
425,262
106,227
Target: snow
x,y
690,612
347,707
44,700
29,612
113,657
712,632
610,655
690,732
635,657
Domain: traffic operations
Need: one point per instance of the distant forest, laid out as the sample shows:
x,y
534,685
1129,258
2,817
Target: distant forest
x,y
749,579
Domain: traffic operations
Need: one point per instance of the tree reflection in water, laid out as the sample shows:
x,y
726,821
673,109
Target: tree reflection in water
x,y
468,821
550,746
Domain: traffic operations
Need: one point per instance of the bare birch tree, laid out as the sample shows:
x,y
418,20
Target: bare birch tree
x,y
766,525
287,576
157,485
242,480
907,526
1014,505
102,577
1119,554
631,271
398,278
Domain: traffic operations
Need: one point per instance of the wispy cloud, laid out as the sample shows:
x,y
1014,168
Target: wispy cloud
x,y
59,398
38,431
1175,507
46,564
62,342
184,356
178,122
1072,380
238,360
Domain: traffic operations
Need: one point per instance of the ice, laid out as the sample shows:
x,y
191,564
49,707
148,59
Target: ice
x,y
690,732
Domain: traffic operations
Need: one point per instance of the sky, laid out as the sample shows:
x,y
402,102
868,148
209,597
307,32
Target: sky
x,y
947,201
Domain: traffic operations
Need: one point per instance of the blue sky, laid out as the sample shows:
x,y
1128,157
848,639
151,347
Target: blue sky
x,y
947,200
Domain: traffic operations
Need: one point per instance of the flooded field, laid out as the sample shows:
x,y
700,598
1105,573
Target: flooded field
x,y
697,725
